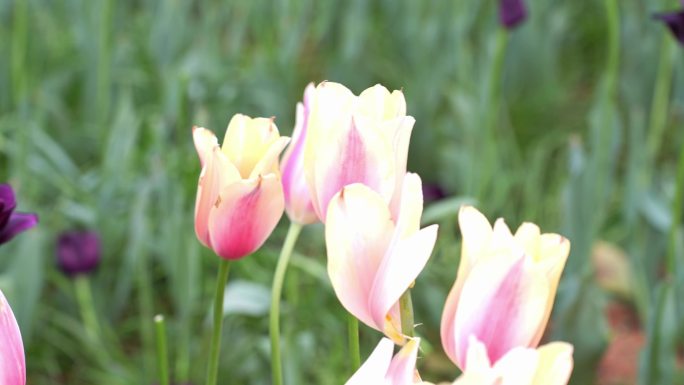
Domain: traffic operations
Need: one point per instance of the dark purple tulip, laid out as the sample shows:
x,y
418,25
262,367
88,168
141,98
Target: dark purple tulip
x,y
433,192
675,22
512,13
78,252
12,223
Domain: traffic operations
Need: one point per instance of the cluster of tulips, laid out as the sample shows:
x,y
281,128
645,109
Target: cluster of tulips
x,y
346,167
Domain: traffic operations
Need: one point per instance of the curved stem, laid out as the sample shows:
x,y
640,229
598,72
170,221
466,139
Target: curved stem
x,y
221,279
406,312
354,352
279,277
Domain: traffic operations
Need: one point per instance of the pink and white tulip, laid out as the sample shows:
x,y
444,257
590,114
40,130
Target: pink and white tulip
x,y
12,360
298,205
505,287
356,139
550,364
239,195
372,258
382,369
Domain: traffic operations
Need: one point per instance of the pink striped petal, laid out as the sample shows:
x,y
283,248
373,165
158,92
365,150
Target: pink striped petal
x,y
216,174
12,360
244,215
402,369
358,232
502,304
353,155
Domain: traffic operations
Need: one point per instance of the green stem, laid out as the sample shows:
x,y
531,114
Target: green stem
x,y
353,333
613,62
406,312
661,96
19,43
215,349
677,207
162,353
103,58
85,302
278,279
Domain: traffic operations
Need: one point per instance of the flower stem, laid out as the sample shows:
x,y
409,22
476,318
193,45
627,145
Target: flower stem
x,y
221,279
406,312
162,353
353,329
279,277
85,302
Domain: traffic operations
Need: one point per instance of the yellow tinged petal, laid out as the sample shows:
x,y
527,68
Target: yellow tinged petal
x,y
247,140
268,164
205,141
528,236
555,364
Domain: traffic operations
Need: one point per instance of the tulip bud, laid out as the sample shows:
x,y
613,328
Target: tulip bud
x,y
78,252
382,368
12,360
372,259
298,203
512,13
239,194
505,287
11,222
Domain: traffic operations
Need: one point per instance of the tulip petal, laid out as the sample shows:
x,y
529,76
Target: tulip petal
x,y
269,162
400,267
402,369
517,367
476,232
411,208
245,214
205,141
502,303
247,140
8,203
18,223
374,370
401,136
12,360
378,104
555,364
528,237
216,174
353,155
358,232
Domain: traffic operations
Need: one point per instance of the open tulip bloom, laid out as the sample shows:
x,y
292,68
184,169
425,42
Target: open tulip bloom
x,y
372,258
505,287
382,369
239,196
12,361
550,364
12,222
356,139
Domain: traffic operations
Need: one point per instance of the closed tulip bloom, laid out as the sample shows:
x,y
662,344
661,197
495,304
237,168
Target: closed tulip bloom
x,y
550,364
239,195
12,222
298,205
78,252
12,361
373,259
512,13
382,369
505,287
356,139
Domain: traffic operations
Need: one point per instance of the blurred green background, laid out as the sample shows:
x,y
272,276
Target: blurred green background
x,y
573,121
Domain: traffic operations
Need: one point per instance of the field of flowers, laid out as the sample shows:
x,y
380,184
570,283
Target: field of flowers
x,y
322,192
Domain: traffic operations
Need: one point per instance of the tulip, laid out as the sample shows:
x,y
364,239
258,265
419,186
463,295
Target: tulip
x,y
239,196
372,258
381,369
550,364
356,139
512,13
12,361
505,287
11,222
78,252
298,205
675,22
